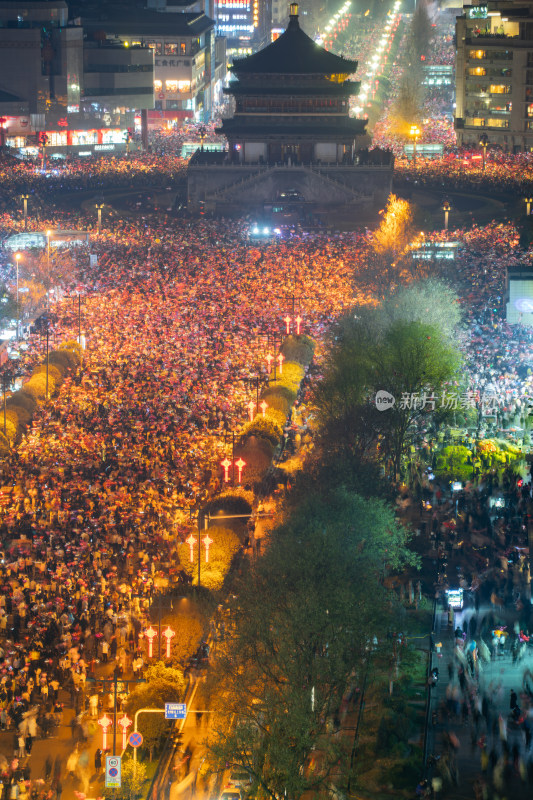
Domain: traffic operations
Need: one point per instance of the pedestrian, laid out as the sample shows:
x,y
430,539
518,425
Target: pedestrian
x,y
98,761
514,699
59,790
48,764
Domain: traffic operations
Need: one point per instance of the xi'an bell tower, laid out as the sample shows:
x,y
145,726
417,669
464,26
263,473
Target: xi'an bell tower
x,y
291,130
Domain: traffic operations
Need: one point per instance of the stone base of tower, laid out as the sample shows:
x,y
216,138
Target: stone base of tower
x,y
249,187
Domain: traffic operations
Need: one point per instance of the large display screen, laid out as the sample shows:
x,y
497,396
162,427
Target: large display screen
x,y
520,305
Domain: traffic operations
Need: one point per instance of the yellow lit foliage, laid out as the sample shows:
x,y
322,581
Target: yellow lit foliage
x,y
225,544
396,229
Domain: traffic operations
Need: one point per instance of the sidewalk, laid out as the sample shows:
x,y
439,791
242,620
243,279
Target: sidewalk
x,y
496,680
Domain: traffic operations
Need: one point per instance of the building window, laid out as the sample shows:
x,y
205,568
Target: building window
x,y
475,122
497,123
499,88
477,71
184,86
171,86
183,48
173,104
158,105
171,49
158,86
158,49
478,54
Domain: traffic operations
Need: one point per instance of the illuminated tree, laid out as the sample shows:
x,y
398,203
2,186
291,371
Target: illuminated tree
x,y
396,229
163,685
224,546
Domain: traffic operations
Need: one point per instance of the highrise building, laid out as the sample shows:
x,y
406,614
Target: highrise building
x,y
58,90
494,75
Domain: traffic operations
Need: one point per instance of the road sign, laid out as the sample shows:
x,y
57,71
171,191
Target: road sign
x,y
175,710
113,772
135,739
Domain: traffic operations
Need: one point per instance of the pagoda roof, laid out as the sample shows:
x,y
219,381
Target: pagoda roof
x,y
338,129
294,53
345,89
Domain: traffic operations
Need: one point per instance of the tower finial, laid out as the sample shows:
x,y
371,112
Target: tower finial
x,y
293,9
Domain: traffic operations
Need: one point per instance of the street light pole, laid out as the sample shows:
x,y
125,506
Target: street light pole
x,y
4,387
446,207
48,233
415,133
47,361
484,140
17,259
25,198
99,207
528,201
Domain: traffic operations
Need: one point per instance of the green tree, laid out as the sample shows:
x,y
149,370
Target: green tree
x,y
430,301
388,348
413,365
163,685
305,619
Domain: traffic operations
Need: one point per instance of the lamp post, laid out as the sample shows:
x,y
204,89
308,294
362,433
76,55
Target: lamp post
x,y
17,259
79,319
99,207
446,207
48,234
528,201
25,198
415,133
483,141
47,354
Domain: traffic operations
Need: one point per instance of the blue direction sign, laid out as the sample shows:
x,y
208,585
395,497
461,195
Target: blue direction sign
x,y
175,710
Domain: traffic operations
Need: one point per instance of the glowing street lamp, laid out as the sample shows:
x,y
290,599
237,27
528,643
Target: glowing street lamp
x,y
17,259
250,406
281,359
150,635
99,207
105,722
207,542
299,321
415,133
124,723
226,464
269,359
240,464
484,141
528,201
191,541
168,633
263,406
446,207
25,198
287,321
